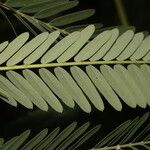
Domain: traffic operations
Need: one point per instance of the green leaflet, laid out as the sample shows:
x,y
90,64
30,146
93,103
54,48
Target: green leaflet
x,y
106,47
86,85
120,136
136,84
56,87
146,72
84,138
43,90
121,28
73,136
103,87
135,92
7,144
60,47
5,96
142,50
60,137
85,35
34,8
73,17
119,45
141,121
34,141
47,140
118,84
27,49
146,48
3,46
132,46
9,101
113,134
18,3
16,142
124,134
71,86
73,28
42,48
82,26
15,93
27,89
56,9
13,47
142,134
91,48
141,81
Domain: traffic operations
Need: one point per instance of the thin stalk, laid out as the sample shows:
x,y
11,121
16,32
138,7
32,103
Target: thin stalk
x,y
8,20
26,25
65,64
121,12
119,147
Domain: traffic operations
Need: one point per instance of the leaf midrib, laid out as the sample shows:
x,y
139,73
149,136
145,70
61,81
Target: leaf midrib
x,y
65,64
124,146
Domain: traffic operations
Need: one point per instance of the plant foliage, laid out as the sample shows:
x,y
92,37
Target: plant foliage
x,y
126,135
31,12
79,86
84,65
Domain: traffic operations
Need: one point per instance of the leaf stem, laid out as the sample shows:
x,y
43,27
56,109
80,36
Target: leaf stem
x,y
119,147
26,24
65,64
121,12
